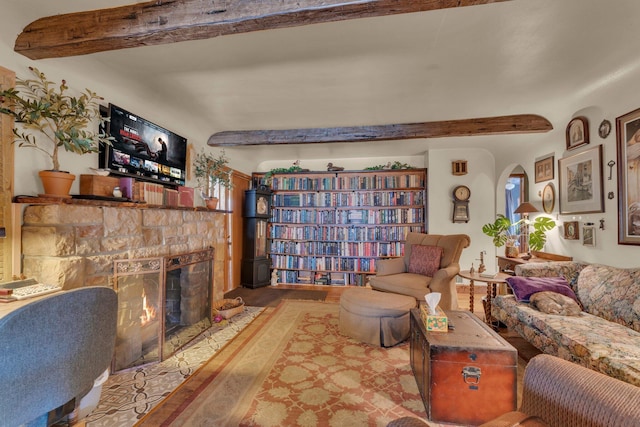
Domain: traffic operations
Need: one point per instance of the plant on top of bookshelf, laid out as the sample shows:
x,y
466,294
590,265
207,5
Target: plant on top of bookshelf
x,y
389,166
269,175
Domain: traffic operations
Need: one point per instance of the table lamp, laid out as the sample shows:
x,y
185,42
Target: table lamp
x,y
525,209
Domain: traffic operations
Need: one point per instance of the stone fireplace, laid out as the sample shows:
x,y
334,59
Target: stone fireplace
x,y
163,303
75,243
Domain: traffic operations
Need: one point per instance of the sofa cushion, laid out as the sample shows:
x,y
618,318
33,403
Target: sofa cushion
x,y
611,293
588,340
425,260
524,287
385,267
452,244
555,303
412,284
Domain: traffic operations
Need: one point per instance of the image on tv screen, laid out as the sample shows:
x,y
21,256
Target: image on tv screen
x,y
144,148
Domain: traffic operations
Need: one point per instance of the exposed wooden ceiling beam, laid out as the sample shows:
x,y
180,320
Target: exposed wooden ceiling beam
x,y
522,123
161,22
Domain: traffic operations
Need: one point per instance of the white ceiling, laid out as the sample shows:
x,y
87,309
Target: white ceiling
x,y
546,57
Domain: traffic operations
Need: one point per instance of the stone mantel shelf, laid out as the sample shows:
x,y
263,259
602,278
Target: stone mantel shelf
x,y
35,200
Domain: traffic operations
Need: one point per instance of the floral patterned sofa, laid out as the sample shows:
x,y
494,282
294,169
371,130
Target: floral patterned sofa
x,y
604,337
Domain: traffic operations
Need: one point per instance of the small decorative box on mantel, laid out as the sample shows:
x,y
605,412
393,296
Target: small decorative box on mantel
x,y
438,322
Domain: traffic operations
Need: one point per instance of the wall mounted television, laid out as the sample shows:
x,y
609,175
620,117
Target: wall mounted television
x,y
143,150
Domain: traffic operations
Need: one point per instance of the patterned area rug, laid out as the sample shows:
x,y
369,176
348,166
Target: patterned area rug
x,y
291,367
127,396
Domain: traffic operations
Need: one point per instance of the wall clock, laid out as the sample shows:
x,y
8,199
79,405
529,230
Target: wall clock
x,y
461,195
257,203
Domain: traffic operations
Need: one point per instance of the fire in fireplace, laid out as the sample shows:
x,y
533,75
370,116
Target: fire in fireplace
x,y
163,303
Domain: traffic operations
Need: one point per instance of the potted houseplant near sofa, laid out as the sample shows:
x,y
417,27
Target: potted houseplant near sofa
x,y
504,232
61,120
210,171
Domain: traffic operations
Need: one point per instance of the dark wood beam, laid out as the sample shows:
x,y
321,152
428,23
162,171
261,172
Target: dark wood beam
x,y
161,22
522,123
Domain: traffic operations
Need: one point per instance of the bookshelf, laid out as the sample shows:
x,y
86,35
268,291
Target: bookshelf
x,y
329,228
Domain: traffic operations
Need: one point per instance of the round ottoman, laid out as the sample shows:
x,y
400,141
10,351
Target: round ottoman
x,y
373,317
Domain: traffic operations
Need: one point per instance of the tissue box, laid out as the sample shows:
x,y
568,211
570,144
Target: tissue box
x,y
437,322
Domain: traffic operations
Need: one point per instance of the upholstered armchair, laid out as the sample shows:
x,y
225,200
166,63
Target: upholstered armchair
x,y
430,264
557,393
52,350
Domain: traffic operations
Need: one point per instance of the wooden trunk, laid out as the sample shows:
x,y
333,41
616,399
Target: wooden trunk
x,y
467,375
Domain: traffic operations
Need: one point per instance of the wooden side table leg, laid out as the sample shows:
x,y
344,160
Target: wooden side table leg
x,y
491,291
471,291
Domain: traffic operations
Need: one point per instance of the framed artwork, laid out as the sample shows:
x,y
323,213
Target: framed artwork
x,y
544,169
604,129
589,235
571,230
628,144
548,198
580,181
577,132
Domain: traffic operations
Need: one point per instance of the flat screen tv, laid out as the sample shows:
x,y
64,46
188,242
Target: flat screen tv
x,y
143,149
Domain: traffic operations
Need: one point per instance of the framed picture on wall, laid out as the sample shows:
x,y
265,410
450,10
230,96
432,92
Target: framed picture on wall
x,y
548,198
589,235
580,182
577,132
544,169
571,230
628,146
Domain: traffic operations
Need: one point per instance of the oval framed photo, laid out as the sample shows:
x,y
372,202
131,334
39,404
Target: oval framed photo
x,y
548,198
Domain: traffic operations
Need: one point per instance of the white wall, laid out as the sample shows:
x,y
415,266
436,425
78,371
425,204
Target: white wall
x,y
488,166
480,180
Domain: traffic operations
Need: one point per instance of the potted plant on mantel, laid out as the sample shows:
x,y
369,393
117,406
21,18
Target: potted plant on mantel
x,y
506,233
61,119
210,171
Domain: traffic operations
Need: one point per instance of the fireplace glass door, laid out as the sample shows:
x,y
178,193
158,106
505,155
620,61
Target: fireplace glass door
x,y
163,303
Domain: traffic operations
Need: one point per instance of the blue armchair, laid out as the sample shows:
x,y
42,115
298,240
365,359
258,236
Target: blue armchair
x,y
52,350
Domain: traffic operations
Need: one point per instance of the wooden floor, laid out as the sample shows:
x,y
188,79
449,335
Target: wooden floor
x,y
334,292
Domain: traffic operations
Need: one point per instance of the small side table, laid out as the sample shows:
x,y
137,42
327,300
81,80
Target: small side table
x,y
491,282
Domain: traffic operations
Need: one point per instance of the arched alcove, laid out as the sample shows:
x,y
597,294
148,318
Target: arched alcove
x,y
501,184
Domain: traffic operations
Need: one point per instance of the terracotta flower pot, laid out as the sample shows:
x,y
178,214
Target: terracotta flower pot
x,y
511,251
212,203
56,183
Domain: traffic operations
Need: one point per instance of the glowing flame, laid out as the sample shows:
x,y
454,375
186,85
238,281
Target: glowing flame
x,y
149,313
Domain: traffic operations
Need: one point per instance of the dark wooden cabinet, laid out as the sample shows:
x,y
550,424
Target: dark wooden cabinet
x,y
465,376
256,265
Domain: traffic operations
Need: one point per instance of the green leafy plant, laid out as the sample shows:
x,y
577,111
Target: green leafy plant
x,y
40,105
268,176
390,165
210,170
505,232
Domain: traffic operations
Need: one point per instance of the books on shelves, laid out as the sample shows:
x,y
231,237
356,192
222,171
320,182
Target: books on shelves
x,y
170,197
332,227
153,193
